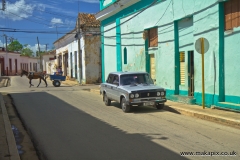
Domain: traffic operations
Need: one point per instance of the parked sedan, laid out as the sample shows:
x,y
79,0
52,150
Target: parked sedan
x,y
132,89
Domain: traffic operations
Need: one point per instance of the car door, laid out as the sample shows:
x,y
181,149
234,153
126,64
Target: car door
x,y
114,88
108,86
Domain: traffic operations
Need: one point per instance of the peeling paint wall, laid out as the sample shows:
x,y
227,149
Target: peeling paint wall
x,y
92,59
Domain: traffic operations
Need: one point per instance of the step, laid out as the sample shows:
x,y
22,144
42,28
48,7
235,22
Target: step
x,y
229,106
182,99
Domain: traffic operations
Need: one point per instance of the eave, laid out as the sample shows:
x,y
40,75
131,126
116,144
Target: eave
x,y
114,8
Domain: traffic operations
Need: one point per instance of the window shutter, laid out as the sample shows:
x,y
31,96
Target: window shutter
x,y
182,68
235,13
153,37
228,15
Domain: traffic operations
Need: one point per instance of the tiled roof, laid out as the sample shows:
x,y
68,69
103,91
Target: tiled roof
x,y
88,20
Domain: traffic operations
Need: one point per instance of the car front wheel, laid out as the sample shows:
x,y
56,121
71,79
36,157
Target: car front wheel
x,y
160,106
125,107
107,101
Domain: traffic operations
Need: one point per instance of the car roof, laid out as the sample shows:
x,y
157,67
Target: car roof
x,y
126,73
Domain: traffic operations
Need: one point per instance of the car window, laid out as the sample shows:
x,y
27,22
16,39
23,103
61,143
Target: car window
x,y
115,79
135,79
110,78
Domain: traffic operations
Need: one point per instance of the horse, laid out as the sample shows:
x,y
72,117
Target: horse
x,y
34,75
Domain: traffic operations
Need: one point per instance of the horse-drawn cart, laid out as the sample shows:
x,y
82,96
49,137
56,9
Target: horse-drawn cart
x,y
56,79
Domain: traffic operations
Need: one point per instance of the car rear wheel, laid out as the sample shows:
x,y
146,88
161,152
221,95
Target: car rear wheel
x,y
107,101
125,107
160,106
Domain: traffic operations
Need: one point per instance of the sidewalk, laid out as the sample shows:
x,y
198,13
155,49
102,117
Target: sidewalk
x,y
8,148
223,117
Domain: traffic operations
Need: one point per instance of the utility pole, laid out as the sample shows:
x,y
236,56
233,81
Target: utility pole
x,y
39,54
6,58
3,5
46,47
79,51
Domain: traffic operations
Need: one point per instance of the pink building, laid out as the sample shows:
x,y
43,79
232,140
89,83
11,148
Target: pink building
x,y
13,62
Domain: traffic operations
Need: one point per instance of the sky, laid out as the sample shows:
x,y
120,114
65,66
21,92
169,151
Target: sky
x,y
47,20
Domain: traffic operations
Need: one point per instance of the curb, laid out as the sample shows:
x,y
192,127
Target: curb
x,y
9,134
218,119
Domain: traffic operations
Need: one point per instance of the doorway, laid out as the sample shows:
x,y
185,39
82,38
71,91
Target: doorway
x,y
2,66
190,73
152,67
16,69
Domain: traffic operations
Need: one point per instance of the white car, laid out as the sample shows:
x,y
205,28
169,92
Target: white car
x,y
132,89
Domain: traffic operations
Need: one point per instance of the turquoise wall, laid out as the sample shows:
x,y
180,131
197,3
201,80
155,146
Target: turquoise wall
x,y
193,20
110,49
232,67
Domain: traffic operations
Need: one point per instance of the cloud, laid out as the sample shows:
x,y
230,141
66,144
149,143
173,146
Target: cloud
x,y
56,21
60,23
18,10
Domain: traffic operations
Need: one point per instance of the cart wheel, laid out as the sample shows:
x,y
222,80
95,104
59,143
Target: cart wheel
x,y
56,83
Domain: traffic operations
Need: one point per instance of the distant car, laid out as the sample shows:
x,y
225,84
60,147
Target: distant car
x,y
132,89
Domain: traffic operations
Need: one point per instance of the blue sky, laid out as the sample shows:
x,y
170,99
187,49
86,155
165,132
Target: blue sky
x,y
41,16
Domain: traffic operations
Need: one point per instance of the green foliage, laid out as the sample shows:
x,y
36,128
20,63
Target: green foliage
x,y
15,46
27,52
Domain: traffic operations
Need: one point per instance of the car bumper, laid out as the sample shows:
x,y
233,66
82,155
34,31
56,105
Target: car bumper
x,y
146,101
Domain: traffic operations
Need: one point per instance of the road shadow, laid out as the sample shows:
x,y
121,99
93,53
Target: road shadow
x,y
138,109
62,131
170,109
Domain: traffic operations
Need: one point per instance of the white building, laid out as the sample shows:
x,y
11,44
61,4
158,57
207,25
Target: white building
x,y
81,59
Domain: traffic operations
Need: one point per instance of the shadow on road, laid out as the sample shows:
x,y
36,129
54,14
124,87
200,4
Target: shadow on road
x,y
61,131
138,109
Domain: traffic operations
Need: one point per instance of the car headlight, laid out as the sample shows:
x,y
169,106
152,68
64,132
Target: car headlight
x,y
162,93
158,93
136,95
131,95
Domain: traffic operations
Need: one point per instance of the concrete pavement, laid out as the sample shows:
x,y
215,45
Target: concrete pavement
x,y
8,150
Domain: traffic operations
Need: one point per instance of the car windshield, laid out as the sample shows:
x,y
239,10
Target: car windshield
x,y
130,79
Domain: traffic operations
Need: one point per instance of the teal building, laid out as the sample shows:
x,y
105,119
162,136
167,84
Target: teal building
x,y
159,36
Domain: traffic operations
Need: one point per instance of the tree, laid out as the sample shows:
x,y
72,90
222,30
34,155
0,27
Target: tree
x,y
15,46
27,52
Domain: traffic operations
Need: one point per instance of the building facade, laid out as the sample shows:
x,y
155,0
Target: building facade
x,y
78,52
159,36
13,62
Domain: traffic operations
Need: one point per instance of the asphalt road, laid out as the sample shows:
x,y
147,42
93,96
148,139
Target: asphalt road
x,y
68,123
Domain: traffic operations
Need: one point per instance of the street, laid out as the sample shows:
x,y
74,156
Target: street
x,y
69,123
